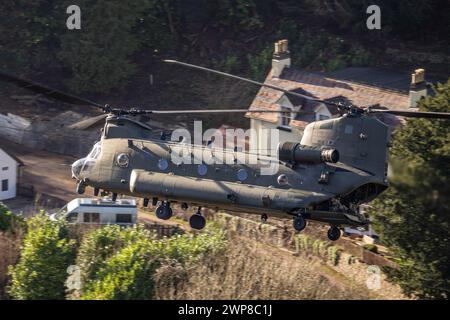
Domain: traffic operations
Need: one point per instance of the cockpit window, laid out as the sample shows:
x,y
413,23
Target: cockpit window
x,y
95,153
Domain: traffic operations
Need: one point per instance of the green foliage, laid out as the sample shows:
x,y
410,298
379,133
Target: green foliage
x,y
97,246
45,256
237,15
98,55
413,216
336,63
259,64
318,248
229,64
120,263
334,254
360,58
9,222
30,33
371,247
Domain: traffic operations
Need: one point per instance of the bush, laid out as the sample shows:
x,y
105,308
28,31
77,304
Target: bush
x,y
45,256
371,247
120,263
336,63
9,222
361,58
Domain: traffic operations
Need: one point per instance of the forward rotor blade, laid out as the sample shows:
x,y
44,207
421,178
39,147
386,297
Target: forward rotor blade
x,y
47,91
413,114
88,123
261,84
217,111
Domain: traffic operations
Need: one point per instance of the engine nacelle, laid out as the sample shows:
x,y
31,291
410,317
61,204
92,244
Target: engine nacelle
x,y
295,152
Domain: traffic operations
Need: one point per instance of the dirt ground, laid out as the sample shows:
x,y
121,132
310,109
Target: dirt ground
x,y
48,173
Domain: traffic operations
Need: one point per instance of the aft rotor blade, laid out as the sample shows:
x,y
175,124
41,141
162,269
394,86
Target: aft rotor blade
x,y
413,114
261,84
47,91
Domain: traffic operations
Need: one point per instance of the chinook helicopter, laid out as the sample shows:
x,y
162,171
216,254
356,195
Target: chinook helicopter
x,y
337,165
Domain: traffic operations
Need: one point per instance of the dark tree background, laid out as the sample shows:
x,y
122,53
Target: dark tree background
x,y
119,38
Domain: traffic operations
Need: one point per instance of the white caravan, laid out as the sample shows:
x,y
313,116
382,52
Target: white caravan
x,y
98,211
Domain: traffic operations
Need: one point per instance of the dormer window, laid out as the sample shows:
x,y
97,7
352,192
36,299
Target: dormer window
x,y
285,116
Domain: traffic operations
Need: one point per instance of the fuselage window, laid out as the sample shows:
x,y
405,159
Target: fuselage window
x,y
348,129
202,169
242,174
163,164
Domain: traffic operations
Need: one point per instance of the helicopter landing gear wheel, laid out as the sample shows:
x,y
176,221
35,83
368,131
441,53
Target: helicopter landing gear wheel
x,y
164,212
197,221
81,187
299,223
334,233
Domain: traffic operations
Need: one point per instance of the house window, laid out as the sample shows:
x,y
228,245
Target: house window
x,y
285,117
5,169
5,185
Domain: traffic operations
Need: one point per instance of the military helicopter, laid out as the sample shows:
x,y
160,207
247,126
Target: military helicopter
x,y
337,165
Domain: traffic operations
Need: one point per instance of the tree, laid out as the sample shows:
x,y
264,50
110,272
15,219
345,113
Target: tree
x,y
45,256
413,216
9,222
98,55
30,31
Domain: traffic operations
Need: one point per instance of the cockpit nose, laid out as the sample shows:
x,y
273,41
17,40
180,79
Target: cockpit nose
x,y
76,168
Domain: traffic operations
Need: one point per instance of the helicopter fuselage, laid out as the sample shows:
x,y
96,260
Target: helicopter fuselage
x,y
126,161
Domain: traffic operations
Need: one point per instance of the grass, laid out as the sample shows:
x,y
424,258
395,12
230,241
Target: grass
x,y
251,270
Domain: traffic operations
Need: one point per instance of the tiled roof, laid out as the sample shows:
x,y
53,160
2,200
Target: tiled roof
x,y
321,87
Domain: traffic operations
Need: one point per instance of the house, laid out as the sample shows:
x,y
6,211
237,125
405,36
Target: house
x,y
9,173
357,86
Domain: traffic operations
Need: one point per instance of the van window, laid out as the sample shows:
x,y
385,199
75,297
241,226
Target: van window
x,y
72,217
123,218
91,217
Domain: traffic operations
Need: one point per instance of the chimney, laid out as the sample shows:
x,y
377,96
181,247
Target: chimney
x,y
281,58
418,88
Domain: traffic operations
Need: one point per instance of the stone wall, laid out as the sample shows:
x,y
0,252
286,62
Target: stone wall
x,y
54,135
